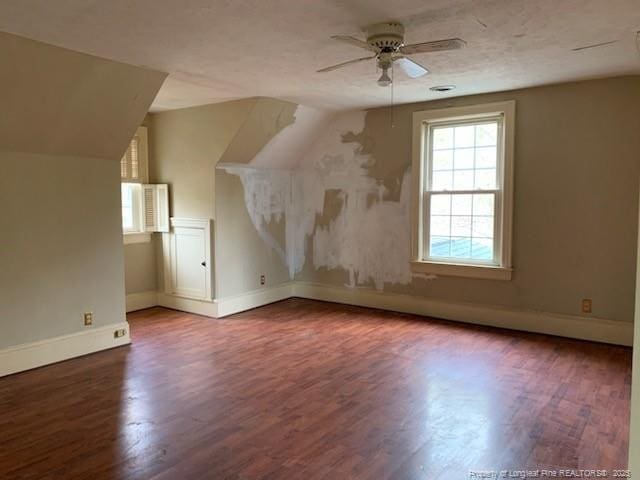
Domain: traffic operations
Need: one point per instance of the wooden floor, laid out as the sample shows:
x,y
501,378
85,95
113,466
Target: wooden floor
x,y
310,390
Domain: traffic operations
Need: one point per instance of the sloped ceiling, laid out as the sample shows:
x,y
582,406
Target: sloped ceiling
x,y
219,50
59,102
275,134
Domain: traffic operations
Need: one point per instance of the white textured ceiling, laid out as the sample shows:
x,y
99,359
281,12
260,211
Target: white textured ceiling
x,y
216,50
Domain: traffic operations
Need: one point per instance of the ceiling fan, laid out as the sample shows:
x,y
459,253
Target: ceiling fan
x,y
386,41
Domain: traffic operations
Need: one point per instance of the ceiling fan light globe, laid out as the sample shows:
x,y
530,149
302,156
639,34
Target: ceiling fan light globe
x,y
384,80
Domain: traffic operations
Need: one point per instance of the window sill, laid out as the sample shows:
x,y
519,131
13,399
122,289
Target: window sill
x,y
128,238
457,270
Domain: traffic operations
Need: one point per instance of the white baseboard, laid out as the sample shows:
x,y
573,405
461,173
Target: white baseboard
x,y
43,352
572,326
199,307
141,300
254,299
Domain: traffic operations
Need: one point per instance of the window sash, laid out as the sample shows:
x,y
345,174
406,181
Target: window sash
x,y
497,192
497,244
135,191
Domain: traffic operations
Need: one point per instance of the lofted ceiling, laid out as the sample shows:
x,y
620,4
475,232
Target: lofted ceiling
x,y
217,50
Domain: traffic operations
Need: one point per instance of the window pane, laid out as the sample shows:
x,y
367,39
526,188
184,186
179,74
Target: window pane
x,y
440,205
460,247
442,180
439,247
482,249
483,204
464,136
443,159
127,218
461,204
486,157
128,222
461,226
442,138
487,134
485,179
127,195
440,225
463,158
463,180
483,227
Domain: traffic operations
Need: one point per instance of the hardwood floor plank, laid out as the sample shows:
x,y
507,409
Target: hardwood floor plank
x,y
311,390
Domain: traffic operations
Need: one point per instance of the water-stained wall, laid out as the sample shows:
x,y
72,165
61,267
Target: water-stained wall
x,y
345,204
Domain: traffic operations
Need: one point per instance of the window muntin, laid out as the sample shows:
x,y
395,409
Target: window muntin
x,y
462,195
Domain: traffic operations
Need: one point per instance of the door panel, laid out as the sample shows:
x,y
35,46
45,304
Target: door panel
x,y
190,259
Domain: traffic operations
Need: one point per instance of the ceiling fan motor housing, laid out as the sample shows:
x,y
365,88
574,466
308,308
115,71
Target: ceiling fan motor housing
x,y
388,37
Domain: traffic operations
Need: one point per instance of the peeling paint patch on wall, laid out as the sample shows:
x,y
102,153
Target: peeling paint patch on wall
x,y
372,243
367,234
266,196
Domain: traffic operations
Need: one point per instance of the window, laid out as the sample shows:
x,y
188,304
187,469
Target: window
x,y
144,207
463,163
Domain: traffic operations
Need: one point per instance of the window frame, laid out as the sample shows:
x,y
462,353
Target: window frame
x,y
139,235
500,268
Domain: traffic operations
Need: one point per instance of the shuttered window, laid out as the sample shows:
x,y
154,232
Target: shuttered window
x,y
145,207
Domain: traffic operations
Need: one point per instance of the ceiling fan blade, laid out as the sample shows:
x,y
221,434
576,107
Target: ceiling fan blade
x,y
435,46
411,68
355,42
344,64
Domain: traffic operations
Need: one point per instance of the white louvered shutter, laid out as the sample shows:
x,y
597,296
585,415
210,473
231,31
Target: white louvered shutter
x,y
155,207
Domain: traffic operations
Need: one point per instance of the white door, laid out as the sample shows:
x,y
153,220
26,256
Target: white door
x,y
190,259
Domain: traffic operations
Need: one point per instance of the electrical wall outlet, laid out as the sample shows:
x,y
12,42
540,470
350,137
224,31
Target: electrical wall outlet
x,y
586,305
263,279
88,318
119,333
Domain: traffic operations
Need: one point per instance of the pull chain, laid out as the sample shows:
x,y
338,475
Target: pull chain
x,y
393,124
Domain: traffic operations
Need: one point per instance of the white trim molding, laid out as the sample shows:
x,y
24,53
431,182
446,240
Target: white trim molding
x,y
617,332
184,304
141,300
254,299
572,326
468,271
222,307
44,352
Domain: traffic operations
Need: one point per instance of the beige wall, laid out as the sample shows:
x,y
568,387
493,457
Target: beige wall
x,y
67,118
61,249
185,148
575,226
575,204
242,253
140,270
